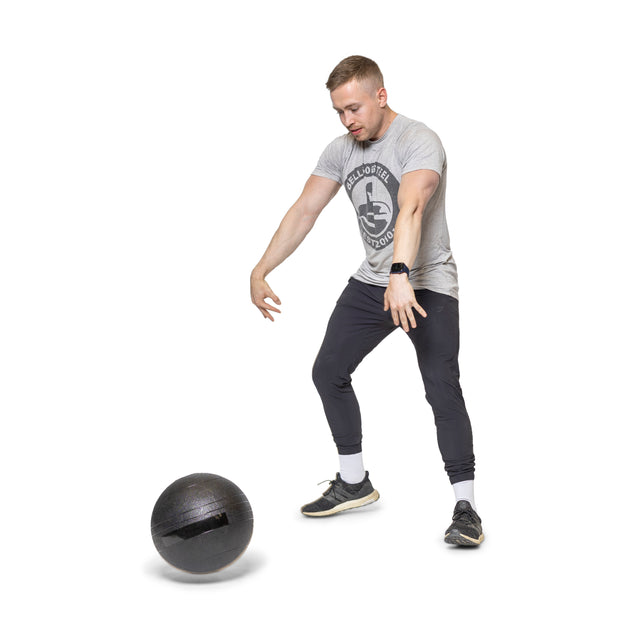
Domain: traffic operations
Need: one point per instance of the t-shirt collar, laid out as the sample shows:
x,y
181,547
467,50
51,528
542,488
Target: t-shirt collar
x,y
385,134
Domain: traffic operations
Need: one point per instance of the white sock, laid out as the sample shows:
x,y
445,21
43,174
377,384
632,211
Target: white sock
x,y
464,491
352,468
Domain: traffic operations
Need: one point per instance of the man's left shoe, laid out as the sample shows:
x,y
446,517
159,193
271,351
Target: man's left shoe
x,y
466,527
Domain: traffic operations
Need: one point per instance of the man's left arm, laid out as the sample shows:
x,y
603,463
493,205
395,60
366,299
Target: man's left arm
x,y
416,188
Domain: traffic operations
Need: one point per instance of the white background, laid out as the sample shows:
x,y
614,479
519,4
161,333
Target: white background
x,y
149,150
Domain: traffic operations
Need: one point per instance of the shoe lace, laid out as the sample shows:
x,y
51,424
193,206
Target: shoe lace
x,y
330,489
465,516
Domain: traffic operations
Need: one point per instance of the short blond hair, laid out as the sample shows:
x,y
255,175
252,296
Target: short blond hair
x,y
359,68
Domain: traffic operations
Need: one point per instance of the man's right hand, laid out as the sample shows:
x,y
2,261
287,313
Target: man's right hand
x,y
260,291
298,221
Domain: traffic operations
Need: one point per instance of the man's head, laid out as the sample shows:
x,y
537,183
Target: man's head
x,y
358,95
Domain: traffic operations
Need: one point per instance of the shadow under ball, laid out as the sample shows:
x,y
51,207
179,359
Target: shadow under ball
x,y
201,523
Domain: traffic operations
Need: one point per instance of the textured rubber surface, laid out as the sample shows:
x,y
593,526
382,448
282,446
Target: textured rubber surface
x,y
455,537
201,523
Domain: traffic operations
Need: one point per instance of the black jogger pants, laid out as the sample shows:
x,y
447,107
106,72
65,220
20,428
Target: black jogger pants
x,y
357,325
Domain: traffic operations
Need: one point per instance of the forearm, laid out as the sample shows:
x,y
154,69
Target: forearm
x,y
416,188
292,231
298,221
407,234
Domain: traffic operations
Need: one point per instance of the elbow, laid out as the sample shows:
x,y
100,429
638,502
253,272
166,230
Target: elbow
x,y
415,209
420,207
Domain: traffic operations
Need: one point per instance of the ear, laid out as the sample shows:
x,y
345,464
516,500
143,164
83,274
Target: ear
x,y
381,97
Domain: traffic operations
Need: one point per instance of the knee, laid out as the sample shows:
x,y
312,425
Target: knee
x,y
327,375
440,370
441,381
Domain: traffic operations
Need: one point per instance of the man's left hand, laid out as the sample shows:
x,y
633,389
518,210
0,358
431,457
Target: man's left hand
x,y
401,299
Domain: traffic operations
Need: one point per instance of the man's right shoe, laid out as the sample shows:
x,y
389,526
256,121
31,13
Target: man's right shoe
x,y
341,496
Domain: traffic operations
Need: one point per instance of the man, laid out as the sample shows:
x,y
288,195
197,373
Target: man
x,y
394,170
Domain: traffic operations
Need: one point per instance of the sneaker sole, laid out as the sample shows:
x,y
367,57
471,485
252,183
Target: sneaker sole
x,y
344,506
455,537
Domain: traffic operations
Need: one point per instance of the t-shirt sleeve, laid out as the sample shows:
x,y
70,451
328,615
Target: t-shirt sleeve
x,y
331,161
422,149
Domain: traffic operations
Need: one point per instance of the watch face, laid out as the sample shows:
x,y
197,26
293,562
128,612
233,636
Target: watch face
x,y
397,267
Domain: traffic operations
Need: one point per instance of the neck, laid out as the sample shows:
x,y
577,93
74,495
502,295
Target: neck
x,y
387,119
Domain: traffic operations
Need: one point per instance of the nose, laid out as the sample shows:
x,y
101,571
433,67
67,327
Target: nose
x,y
347,120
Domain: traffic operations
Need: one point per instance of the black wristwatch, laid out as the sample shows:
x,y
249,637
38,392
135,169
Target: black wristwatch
x,y
399,267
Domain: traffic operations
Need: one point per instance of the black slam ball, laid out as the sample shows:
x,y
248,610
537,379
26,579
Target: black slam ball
x,y
201,523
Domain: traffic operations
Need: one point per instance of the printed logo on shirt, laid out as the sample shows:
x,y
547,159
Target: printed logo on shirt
x,y
374,193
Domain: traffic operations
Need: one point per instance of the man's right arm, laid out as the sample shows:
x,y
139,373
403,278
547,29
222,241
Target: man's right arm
x,y
298,221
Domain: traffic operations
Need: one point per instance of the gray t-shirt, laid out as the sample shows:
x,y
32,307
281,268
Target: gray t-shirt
x,y
371,174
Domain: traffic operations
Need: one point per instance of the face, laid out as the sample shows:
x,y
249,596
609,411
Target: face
x,y
361,110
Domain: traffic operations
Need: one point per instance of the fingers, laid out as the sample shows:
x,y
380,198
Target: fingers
x,y
412,321
406,319
260,291
404,316
273,297
265,307
419,309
